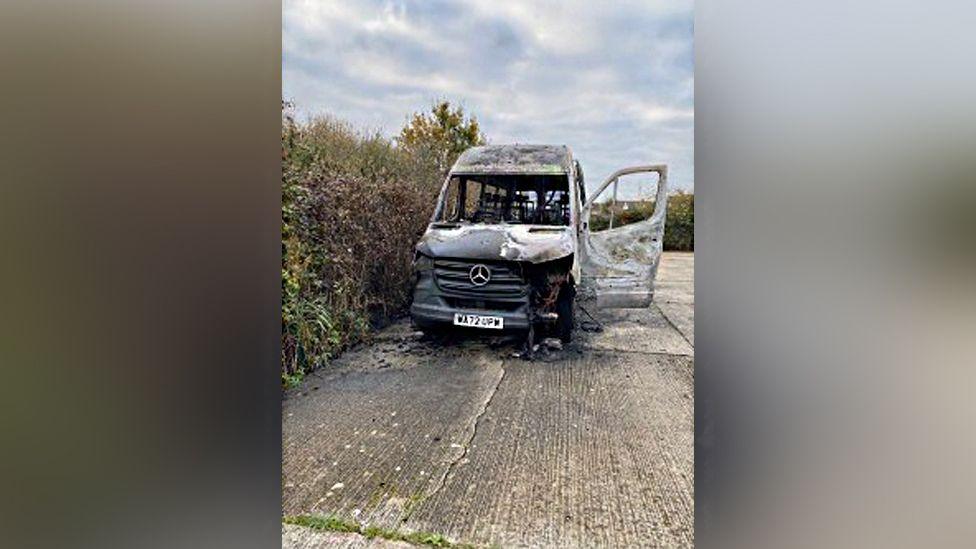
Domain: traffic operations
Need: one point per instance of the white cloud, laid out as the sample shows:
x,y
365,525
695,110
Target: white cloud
x,y
614,83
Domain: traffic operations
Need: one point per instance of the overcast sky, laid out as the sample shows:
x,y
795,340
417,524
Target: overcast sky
x,y
614,82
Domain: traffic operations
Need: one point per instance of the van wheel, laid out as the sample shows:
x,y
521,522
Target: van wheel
x,y
565,310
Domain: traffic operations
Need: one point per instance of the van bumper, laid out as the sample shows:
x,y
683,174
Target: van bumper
x,y
427,315
433,307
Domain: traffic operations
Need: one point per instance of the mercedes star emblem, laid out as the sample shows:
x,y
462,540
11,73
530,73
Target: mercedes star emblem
x,y
479,275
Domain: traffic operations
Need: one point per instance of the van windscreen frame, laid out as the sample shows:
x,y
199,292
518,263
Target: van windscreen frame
x,y
528,199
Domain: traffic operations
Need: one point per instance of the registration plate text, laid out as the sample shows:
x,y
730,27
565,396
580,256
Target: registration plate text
x,y
479,321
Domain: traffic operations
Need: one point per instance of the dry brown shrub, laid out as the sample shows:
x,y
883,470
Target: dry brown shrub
x,y
353,206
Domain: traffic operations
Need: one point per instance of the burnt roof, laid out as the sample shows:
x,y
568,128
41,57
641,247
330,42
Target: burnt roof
x,y
532,159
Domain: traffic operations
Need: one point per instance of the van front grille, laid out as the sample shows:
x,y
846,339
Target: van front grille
x,y
455,276
484,304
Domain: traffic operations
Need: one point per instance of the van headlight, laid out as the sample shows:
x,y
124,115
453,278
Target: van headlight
x,y
422,263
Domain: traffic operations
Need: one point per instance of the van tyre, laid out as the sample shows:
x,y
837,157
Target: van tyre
x,y
565,309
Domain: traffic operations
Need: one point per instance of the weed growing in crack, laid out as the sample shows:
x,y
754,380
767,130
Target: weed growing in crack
x,y
318,522
335,524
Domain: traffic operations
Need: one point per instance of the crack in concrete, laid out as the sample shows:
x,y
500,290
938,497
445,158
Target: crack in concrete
x,y
633,352
474,431
673,325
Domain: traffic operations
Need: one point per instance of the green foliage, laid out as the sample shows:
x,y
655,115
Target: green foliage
x,y
291,381
679,225
353,206
328,523
426,538
373,531
440,135
335,524
600,215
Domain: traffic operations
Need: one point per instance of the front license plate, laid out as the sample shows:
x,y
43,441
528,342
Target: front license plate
x,y
479,321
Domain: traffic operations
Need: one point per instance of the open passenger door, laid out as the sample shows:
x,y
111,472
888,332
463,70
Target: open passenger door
x,y
619,263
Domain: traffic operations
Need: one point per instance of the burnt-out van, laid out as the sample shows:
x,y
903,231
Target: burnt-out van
x,y
509,245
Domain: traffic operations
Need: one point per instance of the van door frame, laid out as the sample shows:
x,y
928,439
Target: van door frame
x,y
627,282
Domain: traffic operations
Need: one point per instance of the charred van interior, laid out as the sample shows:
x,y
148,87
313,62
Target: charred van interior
x,y
506,198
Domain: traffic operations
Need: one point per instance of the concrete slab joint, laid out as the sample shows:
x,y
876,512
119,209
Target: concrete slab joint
x,y
471,436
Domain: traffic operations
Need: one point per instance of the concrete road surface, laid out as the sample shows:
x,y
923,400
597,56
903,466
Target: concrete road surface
x,y
588,446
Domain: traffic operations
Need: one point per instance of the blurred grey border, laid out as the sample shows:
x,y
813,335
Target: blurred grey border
x,y
140,222
834,160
